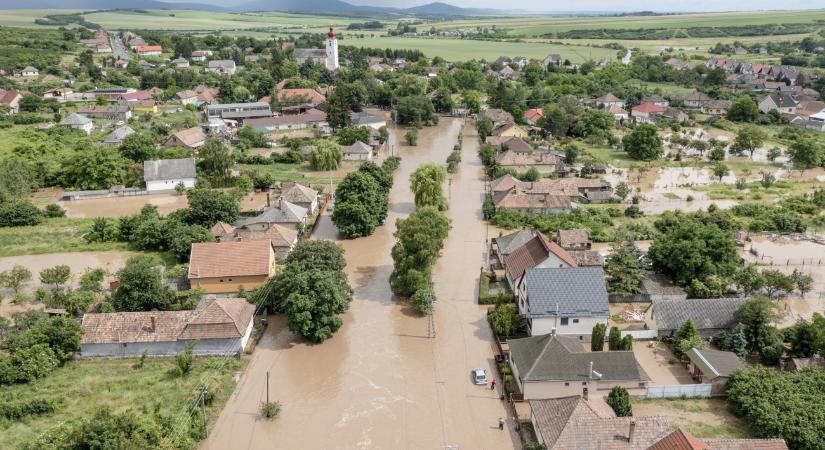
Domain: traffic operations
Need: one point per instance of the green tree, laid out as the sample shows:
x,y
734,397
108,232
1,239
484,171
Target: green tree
x,y
484,128
624,268
720,170
325,155
804,282
216,161
748,279
92,280
140,286
15,278
426,183
614,339
743,109
556,120
184,360
15,177
360,205
138,147
349,135
748,139
806,153
34,362
643,143
314,302
597,337
19,213
690,249
504,319
619,400
595,122
208,207
622,190
776,281
415,110
57,275
423,298
627,343
411,136
756,315
420,238
94,168
734,340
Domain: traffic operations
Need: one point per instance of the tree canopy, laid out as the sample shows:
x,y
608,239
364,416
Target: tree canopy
x,y
643,143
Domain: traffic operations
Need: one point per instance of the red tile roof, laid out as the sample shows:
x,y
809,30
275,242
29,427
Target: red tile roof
x,y
533,253
223,259
648,108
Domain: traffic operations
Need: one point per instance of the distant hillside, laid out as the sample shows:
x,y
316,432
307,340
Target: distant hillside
x,y
105,4
445,9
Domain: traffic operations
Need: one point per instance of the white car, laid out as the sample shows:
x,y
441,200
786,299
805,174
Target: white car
x,y
479,376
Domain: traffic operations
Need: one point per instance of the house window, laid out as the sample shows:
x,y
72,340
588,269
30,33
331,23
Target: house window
x,y
564,321
575,320
584,383
566,384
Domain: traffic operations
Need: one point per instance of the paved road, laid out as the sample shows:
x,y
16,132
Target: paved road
x,y
380,382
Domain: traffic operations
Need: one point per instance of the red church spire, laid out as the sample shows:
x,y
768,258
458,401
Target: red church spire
x,y
331,33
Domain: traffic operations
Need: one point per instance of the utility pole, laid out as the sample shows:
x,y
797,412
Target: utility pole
x,y
203,410
430,317
450,188
267,387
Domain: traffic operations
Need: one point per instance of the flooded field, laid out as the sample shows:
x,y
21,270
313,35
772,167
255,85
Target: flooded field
x,y
79,262
381,382
786,255
124,206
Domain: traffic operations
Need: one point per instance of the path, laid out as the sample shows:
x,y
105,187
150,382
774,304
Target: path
x,y
379,382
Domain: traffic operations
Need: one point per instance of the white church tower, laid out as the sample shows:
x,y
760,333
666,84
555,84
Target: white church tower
x,y
332,50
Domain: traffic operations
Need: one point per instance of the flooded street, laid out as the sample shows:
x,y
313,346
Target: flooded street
x,y
380,382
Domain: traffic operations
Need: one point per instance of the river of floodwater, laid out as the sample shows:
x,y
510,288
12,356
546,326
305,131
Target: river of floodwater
x,y
381,382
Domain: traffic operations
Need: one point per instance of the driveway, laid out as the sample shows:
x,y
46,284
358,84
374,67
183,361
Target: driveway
x,y
660,364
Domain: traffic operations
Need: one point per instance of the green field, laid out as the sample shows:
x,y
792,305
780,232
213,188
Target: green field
x,y
465,49
81,387
533,26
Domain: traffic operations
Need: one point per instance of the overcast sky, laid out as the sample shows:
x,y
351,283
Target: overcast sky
x,y
615,5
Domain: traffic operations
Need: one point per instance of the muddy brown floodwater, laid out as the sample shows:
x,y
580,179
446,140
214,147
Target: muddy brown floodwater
x,y
380,381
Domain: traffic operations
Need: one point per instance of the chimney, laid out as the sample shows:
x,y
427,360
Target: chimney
x,y
152,319
268,203
280,203
631,431
553,332
590,372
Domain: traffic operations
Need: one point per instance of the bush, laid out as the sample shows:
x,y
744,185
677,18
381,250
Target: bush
x,y
19,213
54,210
34,362
619,400
504,320
270,409
16,410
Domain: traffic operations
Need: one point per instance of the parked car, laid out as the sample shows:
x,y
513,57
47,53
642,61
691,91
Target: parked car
x,y
479,376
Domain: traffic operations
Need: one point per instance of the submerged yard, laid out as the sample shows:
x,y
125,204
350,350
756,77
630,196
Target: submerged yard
x,y
82,387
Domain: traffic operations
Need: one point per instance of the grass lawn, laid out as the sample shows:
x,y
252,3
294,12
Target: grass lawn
x,y
702,417
300,172
81,387
52,236
466,49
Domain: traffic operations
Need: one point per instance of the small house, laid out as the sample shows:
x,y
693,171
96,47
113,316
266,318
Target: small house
x,y
76,121
608,100
569,300
224,67
535,253
186,97
166,174
222,327
303,196
225,267
149,50
711,315
714,367
501,247
555,366
358,151
717,107
11,98
115,138
192,138
574,239
283,213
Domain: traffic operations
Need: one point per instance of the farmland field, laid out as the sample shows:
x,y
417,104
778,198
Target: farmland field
x,y
463,49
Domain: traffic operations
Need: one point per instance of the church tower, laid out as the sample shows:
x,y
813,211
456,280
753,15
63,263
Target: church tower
x,y
332,50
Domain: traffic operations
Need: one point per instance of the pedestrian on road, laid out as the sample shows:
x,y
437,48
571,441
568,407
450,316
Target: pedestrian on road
x,y
500,423
493,385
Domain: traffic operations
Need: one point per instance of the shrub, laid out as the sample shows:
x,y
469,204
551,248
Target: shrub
x,y
619,400
270,409
19,213
54,210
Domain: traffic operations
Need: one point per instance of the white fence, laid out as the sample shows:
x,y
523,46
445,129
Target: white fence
x,y
641,334
679,390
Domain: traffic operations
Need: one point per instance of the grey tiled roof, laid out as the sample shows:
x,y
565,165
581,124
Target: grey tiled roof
x,y
286,213
715,363
75,119
358,147
707,313
556,357
119,134
509,243
168,169
570,291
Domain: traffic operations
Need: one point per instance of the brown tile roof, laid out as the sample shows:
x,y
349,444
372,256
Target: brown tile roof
x,y
298,193
533,253
191,136
107,328
679,440
587,258
513,158
280,235
224,318
222,259
186,94
746,444
533,115
648,108
553,415
569,238
7,97
613,433
515,199
311,94
222,229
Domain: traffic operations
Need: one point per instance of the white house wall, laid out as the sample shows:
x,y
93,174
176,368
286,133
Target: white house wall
x,y
169,185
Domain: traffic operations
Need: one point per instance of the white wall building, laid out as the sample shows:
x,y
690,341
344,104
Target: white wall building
x,y
166,174
332,50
